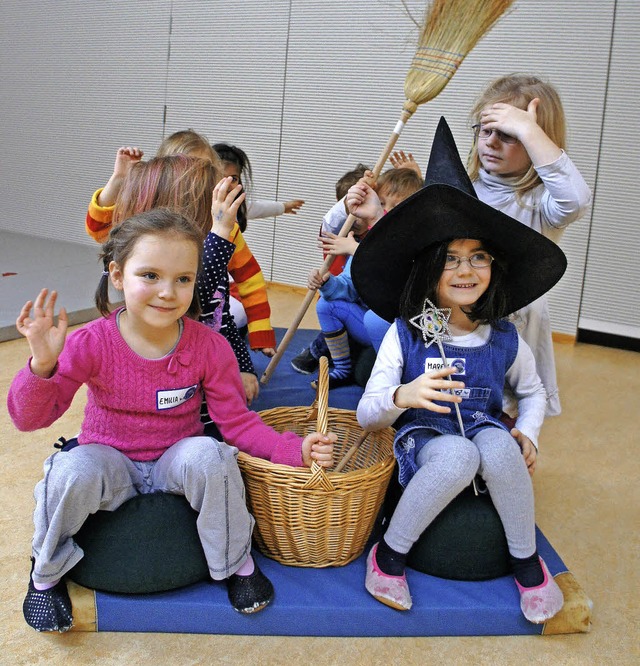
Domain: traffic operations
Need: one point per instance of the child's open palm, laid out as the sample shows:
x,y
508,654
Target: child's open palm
x,y
225,205
46,340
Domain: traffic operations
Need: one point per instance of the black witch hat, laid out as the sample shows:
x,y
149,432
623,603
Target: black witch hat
x,y
445,209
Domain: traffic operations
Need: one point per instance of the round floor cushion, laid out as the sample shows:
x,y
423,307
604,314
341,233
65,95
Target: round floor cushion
x,y
149,544
466,541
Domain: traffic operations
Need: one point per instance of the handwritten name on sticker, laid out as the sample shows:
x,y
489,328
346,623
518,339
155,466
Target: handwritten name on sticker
x,y
172,398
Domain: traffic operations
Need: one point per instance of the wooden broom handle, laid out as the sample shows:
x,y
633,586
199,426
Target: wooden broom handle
x,y
346,228
354,447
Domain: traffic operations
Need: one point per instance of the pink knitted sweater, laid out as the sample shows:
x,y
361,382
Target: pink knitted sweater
x,y
143,406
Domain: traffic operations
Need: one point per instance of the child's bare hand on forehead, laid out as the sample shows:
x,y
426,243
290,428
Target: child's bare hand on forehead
x,y
126,157
225,205
427,388
46,340
510,119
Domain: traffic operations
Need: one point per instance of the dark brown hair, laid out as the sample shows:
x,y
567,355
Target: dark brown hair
x,y
425,275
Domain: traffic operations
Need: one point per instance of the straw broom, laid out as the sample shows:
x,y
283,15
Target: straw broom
x,y
450,30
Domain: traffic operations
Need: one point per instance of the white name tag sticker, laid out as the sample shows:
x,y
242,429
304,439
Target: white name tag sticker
x,y
173,398
460,364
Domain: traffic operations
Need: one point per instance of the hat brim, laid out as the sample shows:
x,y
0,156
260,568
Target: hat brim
x,y
440,212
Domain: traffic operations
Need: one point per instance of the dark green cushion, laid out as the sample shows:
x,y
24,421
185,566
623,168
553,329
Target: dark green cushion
x,y
466,541
149,544
363,365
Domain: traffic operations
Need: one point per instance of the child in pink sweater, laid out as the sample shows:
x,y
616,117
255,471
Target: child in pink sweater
x,y
147,367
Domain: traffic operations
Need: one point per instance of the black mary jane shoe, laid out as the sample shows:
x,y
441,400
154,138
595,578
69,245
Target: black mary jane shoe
x,y
48,610
249,594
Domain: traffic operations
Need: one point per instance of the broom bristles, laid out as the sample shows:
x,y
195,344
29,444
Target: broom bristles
x,y
451,29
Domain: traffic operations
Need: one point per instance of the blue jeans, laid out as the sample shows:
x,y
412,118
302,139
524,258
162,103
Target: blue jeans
x,y
335,315
377,328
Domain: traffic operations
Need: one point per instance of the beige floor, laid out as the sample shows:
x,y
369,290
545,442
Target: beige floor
x,y
587,505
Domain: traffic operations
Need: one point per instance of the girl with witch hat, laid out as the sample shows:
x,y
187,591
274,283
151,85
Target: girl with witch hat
x,y
456,267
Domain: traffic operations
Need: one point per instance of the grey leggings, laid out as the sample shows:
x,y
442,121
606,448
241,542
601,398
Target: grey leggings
x,y
93,477
447,465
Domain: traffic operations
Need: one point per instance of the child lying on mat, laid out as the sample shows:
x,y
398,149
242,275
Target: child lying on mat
x,y
146,366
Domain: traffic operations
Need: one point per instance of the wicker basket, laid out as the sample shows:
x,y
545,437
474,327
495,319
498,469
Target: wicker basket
x,y
309,517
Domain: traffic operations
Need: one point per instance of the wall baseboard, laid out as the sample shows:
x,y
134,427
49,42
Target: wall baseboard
x,y
608,340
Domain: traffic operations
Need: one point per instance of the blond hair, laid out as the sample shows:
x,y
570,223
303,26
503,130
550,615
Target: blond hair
x,y
189,142
402,182
518,90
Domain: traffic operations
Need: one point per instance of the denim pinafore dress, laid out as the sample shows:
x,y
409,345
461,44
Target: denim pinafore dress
x,y
482,369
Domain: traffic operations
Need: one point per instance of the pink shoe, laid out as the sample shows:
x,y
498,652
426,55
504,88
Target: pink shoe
x,y
390,590
542,602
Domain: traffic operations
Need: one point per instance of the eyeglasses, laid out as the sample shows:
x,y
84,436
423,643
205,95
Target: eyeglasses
x,y
484,133
476,260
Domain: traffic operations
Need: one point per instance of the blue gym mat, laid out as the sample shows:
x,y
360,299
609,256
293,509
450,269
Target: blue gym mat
x,y
332,601
288,388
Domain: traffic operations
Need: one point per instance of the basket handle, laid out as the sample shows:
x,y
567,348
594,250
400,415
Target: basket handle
x,y
319,478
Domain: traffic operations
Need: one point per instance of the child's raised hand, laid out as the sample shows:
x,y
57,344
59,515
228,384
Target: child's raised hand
x,y
430,386
399,160
529,452
318,447
317,279
126,157
46,340
224,207
333,244
293,206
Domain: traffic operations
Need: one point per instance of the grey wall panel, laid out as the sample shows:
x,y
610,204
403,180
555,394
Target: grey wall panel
x,y
226,80
611,301
79,79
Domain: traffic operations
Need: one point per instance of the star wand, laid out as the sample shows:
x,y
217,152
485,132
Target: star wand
x,y
433,323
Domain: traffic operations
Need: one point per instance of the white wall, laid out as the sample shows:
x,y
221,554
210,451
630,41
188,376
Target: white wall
x,y
308,89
